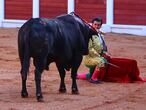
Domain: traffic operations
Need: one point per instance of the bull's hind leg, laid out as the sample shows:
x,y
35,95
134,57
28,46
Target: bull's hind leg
x,y
24,71
24,92
62,88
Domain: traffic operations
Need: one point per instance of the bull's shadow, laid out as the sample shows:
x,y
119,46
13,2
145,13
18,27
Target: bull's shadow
x,y
63,40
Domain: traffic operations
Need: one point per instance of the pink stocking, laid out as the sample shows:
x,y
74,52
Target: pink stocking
x,y
81,76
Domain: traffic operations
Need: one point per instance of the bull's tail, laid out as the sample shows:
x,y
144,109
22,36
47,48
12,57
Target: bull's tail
x,y
23,48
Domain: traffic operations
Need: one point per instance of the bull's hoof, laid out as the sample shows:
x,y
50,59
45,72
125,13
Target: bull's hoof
x,y
62,90
24,94
40,98
75,91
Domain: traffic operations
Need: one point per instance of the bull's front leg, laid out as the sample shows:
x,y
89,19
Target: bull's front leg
x,y
75,65
38,85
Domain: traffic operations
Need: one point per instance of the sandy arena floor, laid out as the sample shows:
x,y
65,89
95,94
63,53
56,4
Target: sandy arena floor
x,y
105,96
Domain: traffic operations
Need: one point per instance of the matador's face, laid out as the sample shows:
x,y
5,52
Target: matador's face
x,y
96,25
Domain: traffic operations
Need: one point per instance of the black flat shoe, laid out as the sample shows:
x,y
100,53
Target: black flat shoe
x,y
95,81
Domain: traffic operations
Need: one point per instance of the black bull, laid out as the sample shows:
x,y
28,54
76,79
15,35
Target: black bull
x,y
63,40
